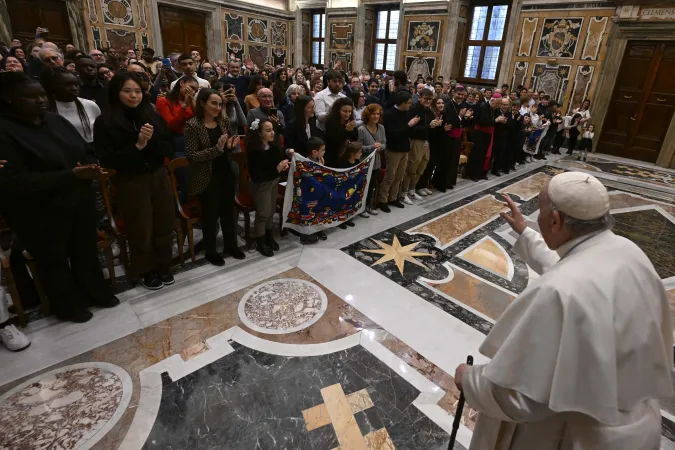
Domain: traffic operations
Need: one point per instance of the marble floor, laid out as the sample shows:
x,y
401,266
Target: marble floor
x,y
347,344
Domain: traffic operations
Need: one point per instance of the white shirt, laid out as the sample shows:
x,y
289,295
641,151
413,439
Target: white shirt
x,y
322,104
524,110
588,135
68,110
202,82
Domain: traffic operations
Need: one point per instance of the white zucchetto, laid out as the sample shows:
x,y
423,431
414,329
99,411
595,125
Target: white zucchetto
x,y
579,195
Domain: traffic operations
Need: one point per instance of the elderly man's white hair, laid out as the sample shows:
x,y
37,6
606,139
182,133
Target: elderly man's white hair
x,y
43,49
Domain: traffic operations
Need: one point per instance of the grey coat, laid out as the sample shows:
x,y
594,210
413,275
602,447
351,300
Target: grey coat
x,y
368,140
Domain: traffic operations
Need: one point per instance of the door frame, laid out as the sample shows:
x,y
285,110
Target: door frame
x,y
212,25
625,29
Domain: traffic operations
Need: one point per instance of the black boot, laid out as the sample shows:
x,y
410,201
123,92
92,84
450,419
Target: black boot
x,y
269,240
262,247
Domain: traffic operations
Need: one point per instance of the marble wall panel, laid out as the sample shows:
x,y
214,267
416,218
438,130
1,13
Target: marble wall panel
x,y
341,35
258,54
551,79
519,74
245,34
527,32
279,33
345,58
118,12
560,37
415,66
257,30
581,86
122,40
595,33
234,26
279,56
423,36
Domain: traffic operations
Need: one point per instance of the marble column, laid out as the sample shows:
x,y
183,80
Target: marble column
x,y
509,43
298,38
400,41
667,155
78,30
359,42
451,39
5,26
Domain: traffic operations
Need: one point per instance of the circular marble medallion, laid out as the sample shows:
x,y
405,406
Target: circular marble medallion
x,y
282,306
72,407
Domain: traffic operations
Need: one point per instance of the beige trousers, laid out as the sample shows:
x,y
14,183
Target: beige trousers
x,y
418,159
396,164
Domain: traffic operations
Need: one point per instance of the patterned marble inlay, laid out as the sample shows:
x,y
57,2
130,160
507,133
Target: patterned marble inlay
x,y
449,227
65,408
398,253
282,306
657,177
489,255
653,233
527,188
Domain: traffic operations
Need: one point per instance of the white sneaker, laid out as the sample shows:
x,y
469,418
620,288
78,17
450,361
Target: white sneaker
x,y
13,339
421,192
428,191
414,196
364,214
405,199
371,211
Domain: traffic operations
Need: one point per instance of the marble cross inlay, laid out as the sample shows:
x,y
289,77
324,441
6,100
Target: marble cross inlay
x,y
398,253
338,409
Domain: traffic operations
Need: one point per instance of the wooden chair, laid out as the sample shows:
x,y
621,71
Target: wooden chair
x,y
189,213
104,243
45,304
244,200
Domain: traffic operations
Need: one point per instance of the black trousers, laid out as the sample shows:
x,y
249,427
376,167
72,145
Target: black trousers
x,y
62,240
476,163
217,202
433,167
500,156
572,141
452,161
558,140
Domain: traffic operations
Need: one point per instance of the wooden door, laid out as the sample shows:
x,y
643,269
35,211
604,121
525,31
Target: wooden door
x,y
643,102
183,30
26,15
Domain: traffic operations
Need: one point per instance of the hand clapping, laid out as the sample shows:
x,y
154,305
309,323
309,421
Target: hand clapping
x,y
144,135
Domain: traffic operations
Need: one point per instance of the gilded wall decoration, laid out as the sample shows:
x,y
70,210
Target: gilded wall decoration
x,y
235,50
234,27
527,33
559,37
96,33
595,32
118,12
423,36
519,74
341,35
278,56
581,86
142,22
93,15
551,79
145,40
121,40
257,30
279,30
259,55
415,66
344,58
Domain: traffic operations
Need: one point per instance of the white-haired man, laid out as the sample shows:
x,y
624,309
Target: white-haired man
x,y
581,357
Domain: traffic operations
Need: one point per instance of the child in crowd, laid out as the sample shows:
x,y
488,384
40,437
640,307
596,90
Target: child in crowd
x,y
316,148
586,144
350,157
573,133
265,163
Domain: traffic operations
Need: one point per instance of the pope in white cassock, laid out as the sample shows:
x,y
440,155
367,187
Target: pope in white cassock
x,y
581,357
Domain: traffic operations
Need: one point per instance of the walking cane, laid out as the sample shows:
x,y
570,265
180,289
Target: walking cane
x,y
459,411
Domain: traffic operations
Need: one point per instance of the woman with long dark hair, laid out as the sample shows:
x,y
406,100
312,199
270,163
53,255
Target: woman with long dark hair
x,y
133,139
265,163
281,83
340,128
62,89
303,127
440,149
47,198
251,100
208,146
177,107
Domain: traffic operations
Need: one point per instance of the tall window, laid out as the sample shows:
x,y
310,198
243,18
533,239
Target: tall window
x,y
318,38
386,34
485,43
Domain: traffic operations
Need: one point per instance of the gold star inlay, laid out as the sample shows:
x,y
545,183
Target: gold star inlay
x,y
397,253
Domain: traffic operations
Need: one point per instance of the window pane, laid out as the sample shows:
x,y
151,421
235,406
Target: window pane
x,y
471,64
490,63
323,25
323,52
316,25
391,57
382,25
497,22
393,25
315,53
379,56
478,23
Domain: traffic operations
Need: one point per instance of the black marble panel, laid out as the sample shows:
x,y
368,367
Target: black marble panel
x,y
253,400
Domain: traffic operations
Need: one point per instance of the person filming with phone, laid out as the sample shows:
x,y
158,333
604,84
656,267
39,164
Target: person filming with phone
x,y
267,111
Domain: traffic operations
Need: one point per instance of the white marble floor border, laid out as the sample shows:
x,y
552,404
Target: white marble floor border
x,y
219,346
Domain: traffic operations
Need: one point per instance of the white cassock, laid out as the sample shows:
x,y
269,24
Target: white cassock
x,y
580,358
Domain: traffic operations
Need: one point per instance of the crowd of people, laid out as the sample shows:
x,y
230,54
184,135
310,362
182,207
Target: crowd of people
x,y
67,118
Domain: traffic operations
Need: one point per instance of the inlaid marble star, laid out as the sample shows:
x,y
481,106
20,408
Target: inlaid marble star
x,y
397,253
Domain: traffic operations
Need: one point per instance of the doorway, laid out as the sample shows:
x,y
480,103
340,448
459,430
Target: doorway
x,y
642,103
183,30
26,15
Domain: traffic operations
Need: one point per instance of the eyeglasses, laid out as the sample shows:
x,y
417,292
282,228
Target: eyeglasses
x,y
105,72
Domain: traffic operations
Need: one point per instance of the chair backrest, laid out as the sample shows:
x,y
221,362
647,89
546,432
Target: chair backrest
x,y
173,165
108,196
244,197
